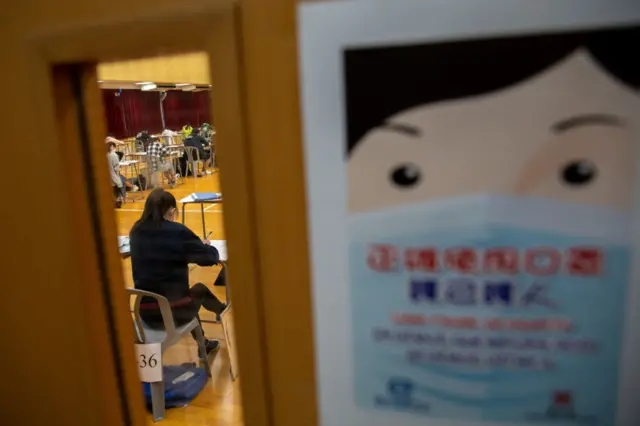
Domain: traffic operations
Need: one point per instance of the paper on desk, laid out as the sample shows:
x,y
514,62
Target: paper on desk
x,y
123,244
221,246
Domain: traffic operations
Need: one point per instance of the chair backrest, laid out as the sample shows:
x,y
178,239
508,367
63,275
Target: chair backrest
x,y
192,153
180,150
124,148
165,311
139,146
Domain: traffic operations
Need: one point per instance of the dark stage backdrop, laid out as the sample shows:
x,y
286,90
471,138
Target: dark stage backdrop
x,y
130,111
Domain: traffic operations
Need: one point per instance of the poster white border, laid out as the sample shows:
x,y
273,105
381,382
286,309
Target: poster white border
x,y
325,29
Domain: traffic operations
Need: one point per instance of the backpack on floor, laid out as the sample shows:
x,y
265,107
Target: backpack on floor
x,y
182,383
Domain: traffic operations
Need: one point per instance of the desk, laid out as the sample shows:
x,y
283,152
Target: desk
x,y
221,246
125,247
167,139
190,200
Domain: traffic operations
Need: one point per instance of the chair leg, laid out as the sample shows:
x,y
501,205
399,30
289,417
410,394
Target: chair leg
x,y
157,400
202,350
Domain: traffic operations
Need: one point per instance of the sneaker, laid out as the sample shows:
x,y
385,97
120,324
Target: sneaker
x,y
177,175
208,172
135,188
211,345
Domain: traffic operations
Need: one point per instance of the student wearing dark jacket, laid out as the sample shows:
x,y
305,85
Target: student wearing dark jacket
x,y
161,250
145,138
200,143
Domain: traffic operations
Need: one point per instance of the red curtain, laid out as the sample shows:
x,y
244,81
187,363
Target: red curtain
x,y
202,107
116,124
181,108
130,111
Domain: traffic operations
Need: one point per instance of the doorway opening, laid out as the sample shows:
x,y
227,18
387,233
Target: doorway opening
x,y
157,113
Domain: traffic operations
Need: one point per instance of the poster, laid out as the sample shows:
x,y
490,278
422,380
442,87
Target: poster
x,y
483,187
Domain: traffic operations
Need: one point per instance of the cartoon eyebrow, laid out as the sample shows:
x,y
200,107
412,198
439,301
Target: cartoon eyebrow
x,y
587,120
405,129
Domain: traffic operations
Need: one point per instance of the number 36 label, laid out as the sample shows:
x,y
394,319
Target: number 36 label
x,y
149,358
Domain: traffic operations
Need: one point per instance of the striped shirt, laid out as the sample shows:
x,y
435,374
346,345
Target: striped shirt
x,y
156,152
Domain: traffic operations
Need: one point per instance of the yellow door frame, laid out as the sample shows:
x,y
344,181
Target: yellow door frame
x,y
68,347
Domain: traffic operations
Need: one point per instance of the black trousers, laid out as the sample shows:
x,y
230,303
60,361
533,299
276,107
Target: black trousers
x,y
201,297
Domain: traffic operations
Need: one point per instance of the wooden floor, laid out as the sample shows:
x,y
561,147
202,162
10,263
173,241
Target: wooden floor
x,y
219,402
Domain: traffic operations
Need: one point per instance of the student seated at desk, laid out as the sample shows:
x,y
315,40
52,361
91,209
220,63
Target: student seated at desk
x,y
114,172
206,131
131,184
161,250
168,136
160,158
200,143
110,138
145,138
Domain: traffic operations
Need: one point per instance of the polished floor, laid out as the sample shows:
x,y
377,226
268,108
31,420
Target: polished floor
x,y
219,402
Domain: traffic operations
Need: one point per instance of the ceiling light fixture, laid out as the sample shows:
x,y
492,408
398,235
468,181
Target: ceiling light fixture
x,y
149,86
142,83
182,84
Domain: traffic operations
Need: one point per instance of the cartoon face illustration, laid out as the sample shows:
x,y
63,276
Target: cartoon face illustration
x,y
559,123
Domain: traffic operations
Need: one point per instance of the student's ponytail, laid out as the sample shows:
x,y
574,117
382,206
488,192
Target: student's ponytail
x,y
158,203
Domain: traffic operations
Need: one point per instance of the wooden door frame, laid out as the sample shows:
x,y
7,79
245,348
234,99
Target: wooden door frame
x,y
214,32
252,48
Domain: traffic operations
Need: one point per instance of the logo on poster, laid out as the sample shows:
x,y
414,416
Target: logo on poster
x,y
561,408
400,392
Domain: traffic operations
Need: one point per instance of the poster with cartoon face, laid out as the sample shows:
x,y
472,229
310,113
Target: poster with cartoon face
x,y
488,188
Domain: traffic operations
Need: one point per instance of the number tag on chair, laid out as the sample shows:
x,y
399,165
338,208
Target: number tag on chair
x,y
149,358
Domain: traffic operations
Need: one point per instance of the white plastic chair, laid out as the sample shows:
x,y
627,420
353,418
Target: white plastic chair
x,y
193,158
167,338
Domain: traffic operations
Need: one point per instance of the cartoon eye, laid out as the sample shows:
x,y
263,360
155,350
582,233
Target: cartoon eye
x,y
406,175
578,173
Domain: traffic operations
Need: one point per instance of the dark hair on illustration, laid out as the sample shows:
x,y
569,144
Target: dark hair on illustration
x,y
156,207
383,81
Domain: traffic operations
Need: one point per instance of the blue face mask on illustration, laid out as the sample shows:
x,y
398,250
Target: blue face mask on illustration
x,y
569,263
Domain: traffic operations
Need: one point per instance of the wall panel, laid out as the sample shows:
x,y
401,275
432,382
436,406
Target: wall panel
x,y
185,68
